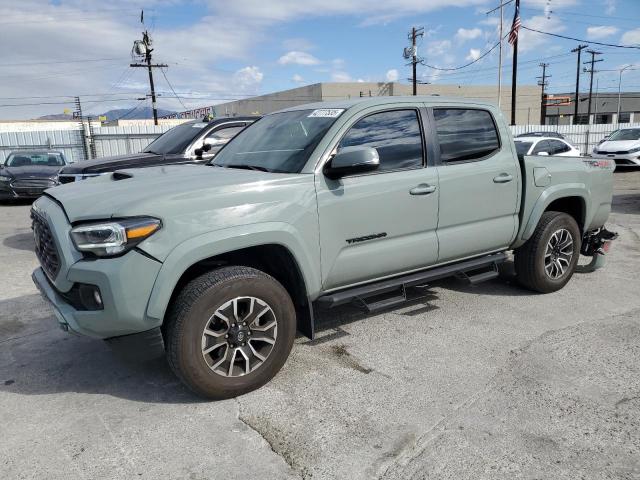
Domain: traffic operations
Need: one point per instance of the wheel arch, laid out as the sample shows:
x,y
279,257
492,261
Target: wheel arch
x,y
277,253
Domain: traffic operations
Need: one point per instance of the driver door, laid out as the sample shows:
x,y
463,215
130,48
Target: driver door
x,y
384,222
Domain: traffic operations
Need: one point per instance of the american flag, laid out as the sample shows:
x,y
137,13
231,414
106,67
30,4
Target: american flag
x,y
513,34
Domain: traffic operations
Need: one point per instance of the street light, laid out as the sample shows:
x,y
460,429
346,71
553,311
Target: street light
x,y
619,91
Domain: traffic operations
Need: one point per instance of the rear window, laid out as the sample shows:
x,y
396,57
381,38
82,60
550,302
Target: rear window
x,y
465,134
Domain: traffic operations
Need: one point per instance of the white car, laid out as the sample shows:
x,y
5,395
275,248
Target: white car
x,y
545,146
623,146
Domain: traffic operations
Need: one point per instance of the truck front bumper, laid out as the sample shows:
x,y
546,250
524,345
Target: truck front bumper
x,y
124,284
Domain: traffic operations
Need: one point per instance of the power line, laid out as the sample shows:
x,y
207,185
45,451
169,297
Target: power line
x,y
171,87
580,39
466,64
59,62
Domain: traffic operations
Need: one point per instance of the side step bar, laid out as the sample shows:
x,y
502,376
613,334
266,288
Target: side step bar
x,y
463,269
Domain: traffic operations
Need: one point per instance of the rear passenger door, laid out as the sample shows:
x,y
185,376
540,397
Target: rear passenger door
x,y
479,178
383,222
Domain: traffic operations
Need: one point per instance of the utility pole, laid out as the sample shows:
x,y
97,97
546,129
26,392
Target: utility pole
x,y
513,39
143,48
578,49
543,100
591,71
412,53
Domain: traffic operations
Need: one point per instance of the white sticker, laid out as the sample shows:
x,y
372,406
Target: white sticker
x,y
326,113
199,125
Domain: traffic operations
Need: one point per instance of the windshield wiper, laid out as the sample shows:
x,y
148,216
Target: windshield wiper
x,y
247,167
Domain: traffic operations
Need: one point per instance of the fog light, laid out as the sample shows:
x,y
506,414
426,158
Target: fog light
x,y
97,297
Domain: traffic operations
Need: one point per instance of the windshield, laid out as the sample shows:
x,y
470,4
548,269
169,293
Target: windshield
x,y
626,134
522,148
176,140
281,142
43,159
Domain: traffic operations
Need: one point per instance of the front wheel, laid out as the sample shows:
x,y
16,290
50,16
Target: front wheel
x,y
546,262
230,331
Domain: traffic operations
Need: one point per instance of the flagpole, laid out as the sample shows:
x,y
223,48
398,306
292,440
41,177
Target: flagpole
x,y
500,59
515,67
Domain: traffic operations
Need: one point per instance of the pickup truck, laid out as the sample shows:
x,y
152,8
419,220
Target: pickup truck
x,y
196,141
314,206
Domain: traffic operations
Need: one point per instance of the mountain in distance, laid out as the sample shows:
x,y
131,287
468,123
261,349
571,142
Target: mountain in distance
x,y
124,113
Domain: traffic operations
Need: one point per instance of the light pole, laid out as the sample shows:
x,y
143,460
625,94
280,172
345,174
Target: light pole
x,y
619,90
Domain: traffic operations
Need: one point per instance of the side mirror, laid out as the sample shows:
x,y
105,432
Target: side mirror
x,y
543,154
352,160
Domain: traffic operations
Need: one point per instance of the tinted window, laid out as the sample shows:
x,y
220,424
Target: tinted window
x,y
395,135
542,146
465,134
223,135
177,139
522,148
280,142
558,147
35,159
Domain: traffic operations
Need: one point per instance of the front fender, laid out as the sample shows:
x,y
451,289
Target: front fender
x,y
227,240
548,196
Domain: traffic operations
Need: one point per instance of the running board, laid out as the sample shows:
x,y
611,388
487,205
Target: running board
x,y
464,269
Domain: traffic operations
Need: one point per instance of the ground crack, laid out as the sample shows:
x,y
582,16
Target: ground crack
x,y
300,471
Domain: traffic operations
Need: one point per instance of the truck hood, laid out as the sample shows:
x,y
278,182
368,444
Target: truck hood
x,y
174,192
109,164
618,146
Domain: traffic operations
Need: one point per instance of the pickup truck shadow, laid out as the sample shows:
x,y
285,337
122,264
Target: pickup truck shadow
x,y
20,241
37,358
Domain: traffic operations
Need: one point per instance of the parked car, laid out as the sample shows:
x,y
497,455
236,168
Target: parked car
x,y
317,205
196,141
623,146
541,134
27,173
545,146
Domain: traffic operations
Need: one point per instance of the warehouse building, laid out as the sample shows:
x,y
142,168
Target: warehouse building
x,y
604,108
528,107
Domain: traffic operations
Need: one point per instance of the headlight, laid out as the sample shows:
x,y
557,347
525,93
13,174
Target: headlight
x,y
634,150
4,178
113,238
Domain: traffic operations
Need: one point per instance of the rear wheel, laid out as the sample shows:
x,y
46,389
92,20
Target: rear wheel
x,y
546,262
230,331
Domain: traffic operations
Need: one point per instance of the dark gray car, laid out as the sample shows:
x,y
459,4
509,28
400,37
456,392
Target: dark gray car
x,y
28,173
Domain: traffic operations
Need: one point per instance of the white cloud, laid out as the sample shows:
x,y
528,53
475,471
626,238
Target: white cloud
x,y
248,78
474,54
632,37
297,78
464,34
601,31
340,77
393,75
298,58
530,41
298,44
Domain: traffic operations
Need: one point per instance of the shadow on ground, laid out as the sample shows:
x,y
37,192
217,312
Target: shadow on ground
x,y
626,203
20,241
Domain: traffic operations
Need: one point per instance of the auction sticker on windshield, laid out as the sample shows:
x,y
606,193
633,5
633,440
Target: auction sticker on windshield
x,y
326,112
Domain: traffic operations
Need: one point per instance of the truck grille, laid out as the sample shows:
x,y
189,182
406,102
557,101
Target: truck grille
x,y
32,183
46,249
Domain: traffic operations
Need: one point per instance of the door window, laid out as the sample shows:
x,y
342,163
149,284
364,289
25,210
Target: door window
x,y
542,146
465,134
223,135
394,134
558,147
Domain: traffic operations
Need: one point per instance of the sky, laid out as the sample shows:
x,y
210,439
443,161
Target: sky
x,y
221,50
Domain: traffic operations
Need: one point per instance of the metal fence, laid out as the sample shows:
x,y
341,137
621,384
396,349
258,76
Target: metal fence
x,y
585,137
106,141
121,140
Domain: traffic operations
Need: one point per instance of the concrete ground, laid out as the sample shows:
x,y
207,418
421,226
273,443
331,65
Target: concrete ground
x,y
465,382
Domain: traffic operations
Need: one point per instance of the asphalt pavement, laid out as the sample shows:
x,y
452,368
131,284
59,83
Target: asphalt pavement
x,y
464,382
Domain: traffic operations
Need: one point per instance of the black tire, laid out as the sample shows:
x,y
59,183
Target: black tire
x,y
530,258
191,312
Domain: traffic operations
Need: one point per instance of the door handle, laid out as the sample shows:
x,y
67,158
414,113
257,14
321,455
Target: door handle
x,y
422,189
503,178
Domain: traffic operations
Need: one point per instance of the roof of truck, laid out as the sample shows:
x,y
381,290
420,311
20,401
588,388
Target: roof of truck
x,y
373,101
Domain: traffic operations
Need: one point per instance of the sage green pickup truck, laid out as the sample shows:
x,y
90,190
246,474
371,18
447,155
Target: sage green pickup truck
x,y
311,207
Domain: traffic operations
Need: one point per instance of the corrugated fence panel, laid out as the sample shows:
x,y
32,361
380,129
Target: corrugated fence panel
x,y
111,141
